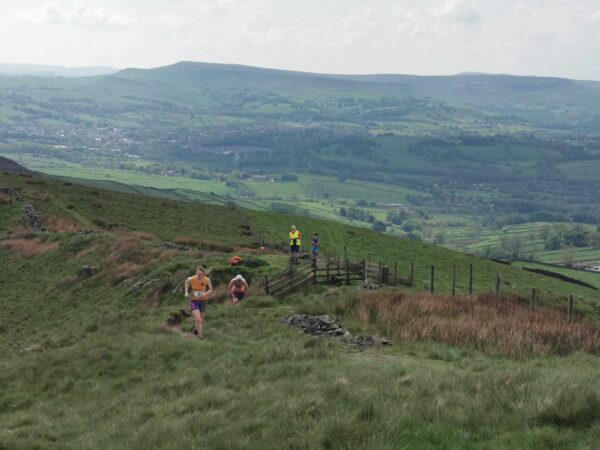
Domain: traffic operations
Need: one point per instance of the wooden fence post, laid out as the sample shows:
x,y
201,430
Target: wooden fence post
x,y
267,284
497,286
432,282
338,268
314,271
454,280
364,270
345,253
395,274
470,279
379,273
412,275
327,271
347,273
570,308
532,301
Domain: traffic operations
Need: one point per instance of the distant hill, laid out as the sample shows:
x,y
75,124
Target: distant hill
x,y
10,167
40,70
473,88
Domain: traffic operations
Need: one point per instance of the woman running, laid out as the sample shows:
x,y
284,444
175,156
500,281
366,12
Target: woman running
x,y
238,289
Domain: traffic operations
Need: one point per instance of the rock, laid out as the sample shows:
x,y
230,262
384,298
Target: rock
x,y
369,286
173,246
141,285
10,191
87,272
176,317
326,325
32,349
32,217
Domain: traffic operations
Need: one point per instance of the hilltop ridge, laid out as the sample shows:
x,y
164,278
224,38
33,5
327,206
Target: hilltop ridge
x,y
10,167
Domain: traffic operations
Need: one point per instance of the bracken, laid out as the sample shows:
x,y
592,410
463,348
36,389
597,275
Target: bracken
x,y
481,322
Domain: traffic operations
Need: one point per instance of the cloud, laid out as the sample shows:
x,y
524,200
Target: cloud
x,y
523,11
464,11
98,18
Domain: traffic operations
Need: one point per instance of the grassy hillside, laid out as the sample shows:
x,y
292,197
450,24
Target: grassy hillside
x,y
71,207
88,361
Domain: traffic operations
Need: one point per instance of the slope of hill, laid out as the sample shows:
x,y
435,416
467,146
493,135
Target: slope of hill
x,y
10,167
88,361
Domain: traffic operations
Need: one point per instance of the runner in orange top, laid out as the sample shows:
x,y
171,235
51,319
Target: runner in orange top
x,y
201,289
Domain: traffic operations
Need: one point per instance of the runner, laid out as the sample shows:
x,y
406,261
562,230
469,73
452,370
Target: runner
x,y
295,242
316,243
239,289
201,289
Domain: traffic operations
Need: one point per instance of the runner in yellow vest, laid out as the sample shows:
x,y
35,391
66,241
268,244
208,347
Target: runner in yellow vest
x,y
295,243
201,289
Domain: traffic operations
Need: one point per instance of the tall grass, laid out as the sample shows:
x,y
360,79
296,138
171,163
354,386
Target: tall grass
x,y
482,322
129,257
28,247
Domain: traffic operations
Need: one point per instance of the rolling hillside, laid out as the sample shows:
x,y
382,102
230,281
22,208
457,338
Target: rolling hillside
x,y
88,361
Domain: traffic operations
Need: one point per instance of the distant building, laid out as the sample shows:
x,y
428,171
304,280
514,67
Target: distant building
x,y
262,179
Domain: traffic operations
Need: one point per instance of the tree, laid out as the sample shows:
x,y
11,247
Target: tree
x,y
378,225
544,233
439,238
554,242
568,256
343,212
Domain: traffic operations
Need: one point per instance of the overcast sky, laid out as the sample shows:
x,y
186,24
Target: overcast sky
x,y
539,37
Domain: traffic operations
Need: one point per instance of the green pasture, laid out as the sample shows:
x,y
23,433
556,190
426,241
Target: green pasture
x,y
592,278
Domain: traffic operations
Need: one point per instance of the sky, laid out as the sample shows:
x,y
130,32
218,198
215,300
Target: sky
x,y
428,37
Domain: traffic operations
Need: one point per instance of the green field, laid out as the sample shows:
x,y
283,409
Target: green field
x,y
592,278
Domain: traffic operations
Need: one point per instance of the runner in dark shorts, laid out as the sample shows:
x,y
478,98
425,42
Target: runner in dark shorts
x,y
201,288
238,287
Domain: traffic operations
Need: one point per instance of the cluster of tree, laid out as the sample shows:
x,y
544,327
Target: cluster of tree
x,y
357,214
566,238
562,236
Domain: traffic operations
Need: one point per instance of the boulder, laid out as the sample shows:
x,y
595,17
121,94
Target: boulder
x,y
87,272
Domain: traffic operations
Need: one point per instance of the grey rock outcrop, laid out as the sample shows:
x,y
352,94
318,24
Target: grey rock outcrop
x,y
328,326
33,217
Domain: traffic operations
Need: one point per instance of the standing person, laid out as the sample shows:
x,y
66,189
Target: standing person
x,y
295,242
316,243
201,289
238,287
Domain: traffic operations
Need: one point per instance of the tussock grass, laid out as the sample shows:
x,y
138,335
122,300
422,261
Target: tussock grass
x,y
204,244
496,327
28,247
129,258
